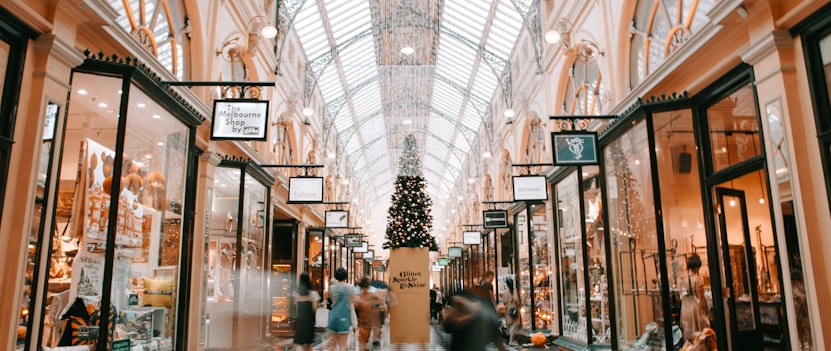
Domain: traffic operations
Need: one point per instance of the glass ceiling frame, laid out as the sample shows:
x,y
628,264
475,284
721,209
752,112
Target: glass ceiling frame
x,y
351,43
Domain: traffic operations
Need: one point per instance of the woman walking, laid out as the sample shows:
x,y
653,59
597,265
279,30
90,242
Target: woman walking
x,y
307,300
340,316
368,307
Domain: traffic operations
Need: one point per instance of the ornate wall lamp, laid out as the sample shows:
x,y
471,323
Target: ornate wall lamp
x,y
258,27
560,32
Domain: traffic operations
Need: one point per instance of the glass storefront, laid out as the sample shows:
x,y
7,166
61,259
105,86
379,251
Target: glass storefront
x,y
581,251
634,242
238,303
534,288
115,265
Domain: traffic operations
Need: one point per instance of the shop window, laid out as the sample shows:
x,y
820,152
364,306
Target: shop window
x,y
238,301
734,129
122,182
581,248
660,28
534,273
633,238
572,265
683,212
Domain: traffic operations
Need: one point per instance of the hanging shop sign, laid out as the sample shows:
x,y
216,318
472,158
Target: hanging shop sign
x,y
337,219
530,188
353,240
239,119
454,251
444,261
471,238
364,247
495,219
574,148
49,121
305,190
369,255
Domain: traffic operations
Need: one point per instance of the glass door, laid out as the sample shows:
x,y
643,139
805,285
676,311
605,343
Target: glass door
x,y
741,296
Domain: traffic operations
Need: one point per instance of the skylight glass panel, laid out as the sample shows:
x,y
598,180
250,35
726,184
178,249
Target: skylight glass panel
x,y
359,164
372,130
358,53
309,27
329,84
454,163
466,16
353,144
446,99
366,101
450,52
461,144
485,82
343,120
471,120
348,21
442,128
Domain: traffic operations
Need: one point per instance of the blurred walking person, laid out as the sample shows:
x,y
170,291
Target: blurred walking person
x,y
368,306
472,321
340,316
307,300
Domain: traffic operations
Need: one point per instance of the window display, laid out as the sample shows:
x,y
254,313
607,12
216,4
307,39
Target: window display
x,y
584,295
683,214
534,272
122,149
634,242
238,301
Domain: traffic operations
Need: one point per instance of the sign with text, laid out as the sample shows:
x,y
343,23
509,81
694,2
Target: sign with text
x,y
305,190
444,261
530,188
495,219
574,148
337,219
49,121
352,240
454,251
409,278
121,345
364,247
369,255
239,119
471,238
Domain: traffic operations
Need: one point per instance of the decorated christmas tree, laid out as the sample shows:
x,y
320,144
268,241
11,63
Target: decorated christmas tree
x,y
409,222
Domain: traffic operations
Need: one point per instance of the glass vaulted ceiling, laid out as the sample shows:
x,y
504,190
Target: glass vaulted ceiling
x,y
375,95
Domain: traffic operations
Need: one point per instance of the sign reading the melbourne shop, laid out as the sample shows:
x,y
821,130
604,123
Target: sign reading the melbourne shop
x,y
495,219
573,148
237,119
305,190
530,188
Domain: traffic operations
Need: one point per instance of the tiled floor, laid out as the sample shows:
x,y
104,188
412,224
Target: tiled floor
x,y
438,341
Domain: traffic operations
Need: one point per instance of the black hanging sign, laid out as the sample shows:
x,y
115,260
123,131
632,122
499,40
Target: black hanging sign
x,y
495,219
574,148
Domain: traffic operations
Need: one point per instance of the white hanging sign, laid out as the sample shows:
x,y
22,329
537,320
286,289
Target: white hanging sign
x,y
239,120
